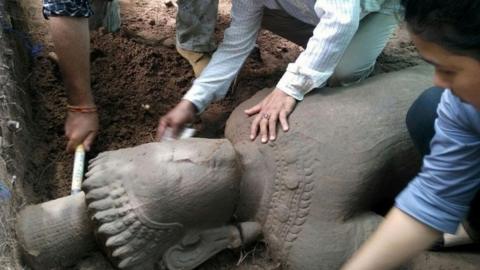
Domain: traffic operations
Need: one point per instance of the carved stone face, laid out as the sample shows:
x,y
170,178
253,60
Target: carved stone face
x,y
145,199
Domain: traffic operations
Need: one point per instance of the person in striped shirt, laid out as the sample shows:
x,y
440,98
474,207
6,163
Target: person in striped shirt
x,y
342,40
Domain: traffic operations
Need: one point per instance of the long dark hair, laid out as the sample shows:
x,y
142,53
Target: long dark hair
x,y
452,24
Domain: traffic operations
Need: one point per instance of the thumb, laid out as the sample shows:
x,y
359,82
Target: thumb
x,y
162,125
72,144
87,143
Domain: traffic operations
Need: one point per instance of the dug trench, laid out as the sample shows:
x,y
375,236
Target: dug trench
x,y
137,76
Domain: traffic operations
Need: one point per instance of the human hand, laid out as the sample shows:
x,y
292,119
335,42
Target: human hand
x,y
81,128
176,119
275,107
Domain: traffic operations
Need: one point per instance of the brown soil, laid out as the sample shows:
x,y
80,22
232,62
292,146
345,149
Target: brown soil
x,y
139,66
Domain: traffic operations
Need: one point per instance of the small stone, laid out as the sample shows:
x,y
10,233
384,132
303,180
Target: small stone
x,y
169,43
170,3
13,125
52,56
152,22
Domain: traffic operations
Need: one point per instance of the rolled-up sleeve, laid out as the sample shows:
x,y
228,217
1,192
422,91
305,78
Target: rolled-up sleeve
x,y
239,40
450,177
68,8
339,21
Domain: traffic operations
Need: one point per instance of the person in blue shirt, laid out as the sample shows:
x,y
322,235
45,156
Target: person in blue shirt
x,y
445,192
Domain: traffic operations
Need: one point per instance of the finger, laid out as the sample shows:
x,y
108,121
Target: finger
x,y
72,144
176,129
253,110
87,143
162,125
290,106
254,127
264,130
284,120
272,126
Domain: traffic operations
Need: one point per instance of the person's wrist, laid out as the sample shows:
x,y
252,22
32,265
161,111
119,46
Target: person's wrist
x,y
189,106
290,93
283,93
84,103
82,108
81,99
280,91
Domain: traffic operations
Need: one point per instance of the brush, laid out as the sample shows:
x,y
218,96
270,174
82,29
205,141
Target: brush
x,y
78,169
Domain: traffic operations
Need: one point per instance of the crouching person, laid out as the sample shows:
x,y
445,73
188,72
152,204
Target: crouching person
x,y
447,34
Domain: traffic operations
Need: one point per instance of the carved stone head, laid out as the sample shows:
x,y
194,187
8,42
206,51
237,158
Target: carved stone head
x,y
148,199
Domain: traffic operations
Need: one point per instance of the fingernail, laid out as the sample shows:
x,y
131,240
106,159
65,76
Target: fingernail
x,y
251,137
264,140
272,138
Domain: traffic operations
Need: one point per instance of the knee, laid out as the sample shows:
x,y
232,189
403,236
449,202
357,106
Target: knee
x,y
424,108
421,117
348,75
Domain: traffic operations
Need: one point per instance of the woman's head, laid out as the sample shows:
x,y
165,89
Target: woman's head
x,y
451,24
447,34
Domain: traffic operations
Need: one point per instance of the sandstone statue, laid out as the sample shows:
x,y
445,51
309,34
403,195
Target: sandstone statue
x,y
314,195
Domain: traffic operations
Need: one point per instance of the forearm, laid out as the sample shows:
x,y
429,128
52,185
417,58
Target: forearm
x,y
217,77
71,39
398,239
239,39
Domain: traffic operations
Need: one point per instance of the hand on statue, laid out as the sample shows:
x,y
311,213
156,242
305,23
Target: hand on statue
x,y
275,107
176,119
81,128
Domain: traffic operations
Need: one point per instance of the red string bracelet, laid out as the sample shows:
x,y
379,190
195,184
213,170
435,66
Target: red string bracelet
x,y
81,109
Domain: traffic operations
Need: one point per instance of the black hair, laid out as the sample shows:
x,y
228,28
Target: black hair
x,y
451,24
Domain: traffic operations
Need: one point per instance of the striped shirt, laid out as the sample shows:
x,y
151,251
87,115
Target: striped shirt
x,y
335,21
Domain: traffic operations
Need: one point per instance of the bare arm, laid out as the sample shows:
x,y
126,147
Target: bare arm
x,y
331,37
439,196
71,39
214,82
399,238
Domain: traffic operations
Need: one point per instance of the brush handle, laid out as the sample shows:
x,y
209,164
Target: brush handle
x,y
78,167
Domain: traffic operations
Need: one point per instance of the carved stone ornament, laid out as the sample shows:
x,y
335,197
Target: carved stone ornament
x,y
314,193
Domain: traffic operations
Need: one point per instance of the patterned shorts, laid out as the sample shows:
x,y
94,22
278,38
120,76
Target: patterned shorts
x,y
70,8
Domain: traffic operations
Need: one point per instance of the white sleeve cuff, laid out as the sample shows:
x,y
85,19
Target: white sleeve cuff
x,y
298,81
198,97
